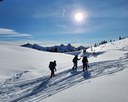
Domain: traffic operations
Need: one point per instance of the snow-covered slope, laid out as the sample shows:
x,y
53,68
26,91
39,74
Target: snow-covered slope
x,y
110,51
25,75
15,59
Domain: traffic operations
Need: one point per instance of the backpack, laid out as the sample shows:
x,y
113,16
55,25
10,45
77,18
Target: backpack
x,y
74,59
50,65
85,60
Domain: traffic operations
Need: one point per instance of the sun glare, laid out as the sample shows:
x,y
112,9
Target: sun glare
x,y
79,16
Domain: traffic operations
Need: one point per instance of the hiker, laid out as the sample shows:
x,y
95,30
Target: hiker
x,y
85,63
52,66
75,61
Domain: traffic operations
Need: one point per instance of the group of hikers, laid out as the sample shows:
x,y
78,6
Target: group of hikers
x,y
84,61
52,65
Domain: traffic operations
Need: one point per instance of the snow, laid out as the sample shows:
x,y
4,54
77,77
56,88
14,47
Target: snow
x,y
103,89
15,59
24,75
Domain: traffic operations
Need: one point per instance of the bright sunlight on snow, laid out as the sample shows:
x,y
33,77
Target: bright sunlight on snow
x,y
24,75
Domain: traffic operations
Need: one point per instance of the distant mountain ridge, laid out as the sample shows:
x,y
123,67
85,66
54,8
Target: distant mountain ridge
x,y
61,48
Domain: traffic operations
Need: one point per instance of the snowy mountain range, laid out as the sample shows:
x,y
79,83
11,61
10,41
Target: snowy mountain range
x,y
61,48
25,76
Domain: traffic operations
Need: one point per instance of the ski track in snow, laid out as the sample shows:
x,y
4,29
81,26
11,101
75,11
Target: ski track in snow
x,y
39,88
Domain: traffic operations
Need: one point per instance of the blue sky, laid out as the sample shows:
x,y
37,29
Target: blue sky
x,y
52,21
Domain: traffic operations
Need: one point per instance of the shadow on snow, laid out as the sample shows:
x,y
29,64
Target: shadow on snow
x,y
69,78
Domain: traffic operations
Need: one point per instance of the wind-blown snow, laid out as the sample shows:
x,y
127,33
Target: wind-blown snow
x,y
25,75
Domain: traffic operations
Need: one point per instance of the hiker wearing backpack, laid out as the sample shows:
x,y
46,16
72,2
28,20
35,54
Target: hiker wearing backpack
x,y
85,63
52,67
75,61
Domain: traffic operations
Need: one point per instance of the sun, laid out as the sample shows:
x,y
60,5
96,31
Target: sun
x,y
79,16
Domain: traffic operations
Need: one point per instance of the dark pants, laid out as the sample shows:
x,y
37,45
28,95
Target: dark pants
x,y
85,66
75,66
52,73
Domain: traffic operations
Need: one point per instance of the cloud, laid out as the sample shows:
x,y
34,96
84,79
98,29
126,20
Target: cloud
x,y
49,14
62,26
6,33
63,14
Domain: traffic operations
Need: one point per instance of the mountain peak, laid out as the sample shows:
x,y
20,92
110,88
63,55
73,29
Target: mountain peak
x,y
62,48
